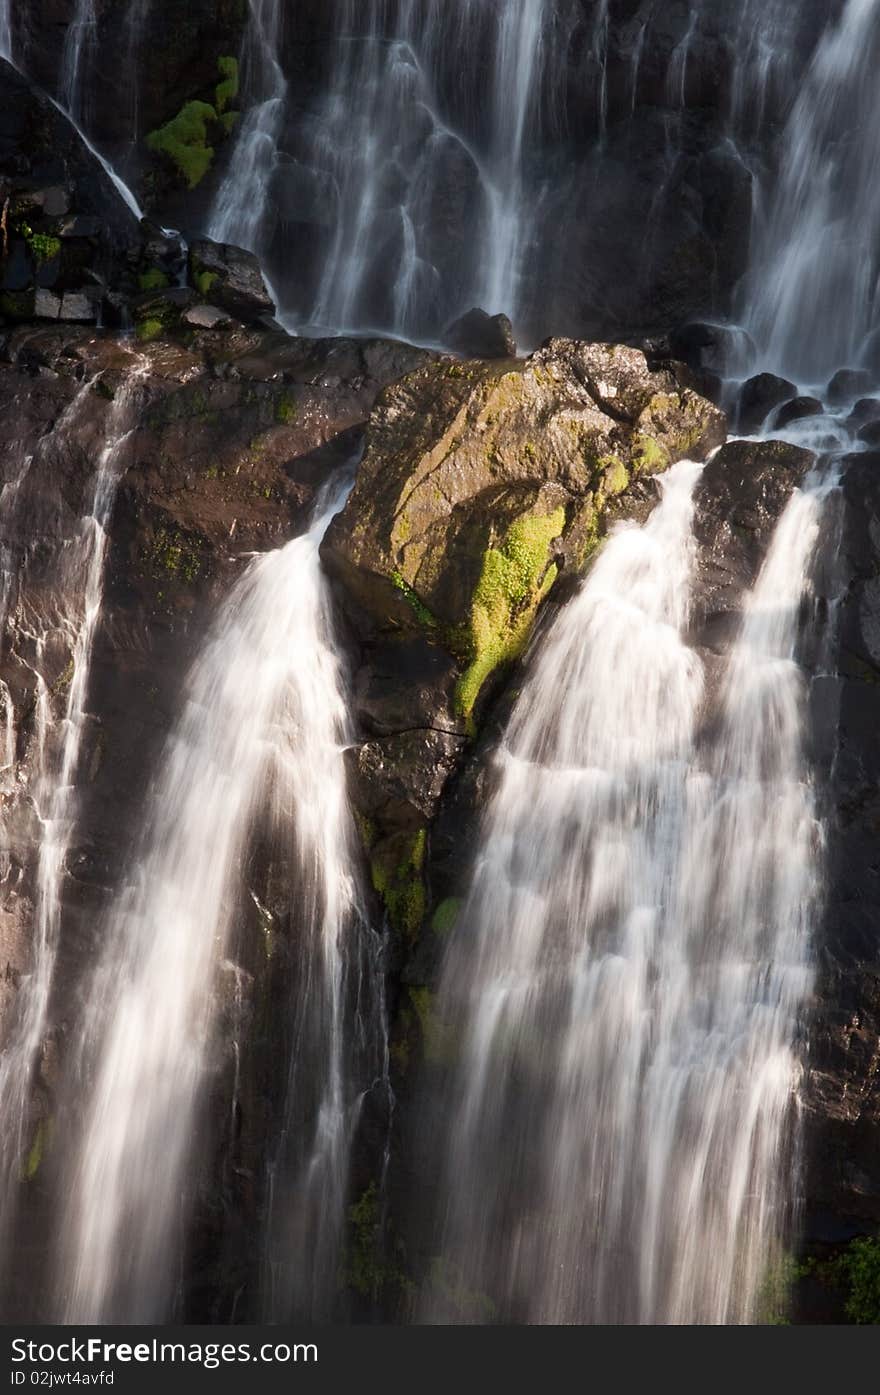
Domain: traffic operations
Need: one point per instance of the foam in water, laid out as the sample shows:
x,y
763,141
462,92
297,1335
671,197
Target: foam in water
x,y
631,963
262,727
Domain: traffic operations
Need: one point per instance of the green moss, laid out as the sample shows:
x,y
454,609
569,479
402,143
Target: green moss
x,y
396,873
422,613
184,141
615,476
37,1151
147,330
227,121
859,1268
515,578
44,248
153,280
368,1270
446,915
649,456
171,554
226,91
204,280
438,1040
285,409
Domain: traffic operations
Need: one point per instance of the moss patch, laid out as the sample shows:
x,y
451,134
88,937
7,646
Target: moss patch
x,y
184,141
446,915
438,1039
421,611
396,871
153,280
147,330
37,1150
515,578
226,90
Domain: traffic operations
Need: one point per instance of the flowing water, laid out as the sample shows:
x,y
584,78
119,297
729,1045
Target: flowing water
x,y
77,58
54,752
262,728
812,291
240,210
630,967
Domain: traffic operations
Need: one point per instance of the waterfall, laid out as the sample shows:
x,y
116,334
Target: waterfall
x,y
54,758
381,147
259,737
239,214
812,293
79,47
6,30
628,972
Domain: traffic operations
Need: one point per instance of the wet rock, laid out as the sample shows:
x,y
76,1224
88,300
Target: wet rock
x,y
870,433
232,276
80,306
865,410
472,469
758,396
720,349
479,335
798,409
206,317
739,499
848,383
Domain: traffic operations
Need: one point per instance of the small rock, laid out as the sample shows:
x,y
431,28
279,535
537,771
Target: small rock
x,y
796,410
758,396
479,335
722,349
47,305
206,317
78,306
56,201
848,383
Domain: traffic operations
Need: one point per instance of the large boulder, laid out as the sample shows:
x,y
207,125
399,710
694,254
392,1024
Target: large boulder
x,y
758,397
739,500
479,480
230,278
480,335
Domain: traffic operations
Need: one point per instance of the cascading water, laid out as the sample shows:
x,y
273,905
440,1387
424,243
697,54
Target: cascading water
x,y
630,967
239,213
812,293
54,759
263,726
79,50
6,30
382,146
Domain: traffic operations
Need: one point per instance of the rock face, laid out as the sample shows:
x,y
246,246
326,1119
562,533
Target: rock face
x,y
479,484
66,236
843,1086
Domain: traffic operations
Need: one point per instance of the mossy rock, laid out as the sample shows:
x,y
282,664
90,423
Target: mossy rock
x,y
480,478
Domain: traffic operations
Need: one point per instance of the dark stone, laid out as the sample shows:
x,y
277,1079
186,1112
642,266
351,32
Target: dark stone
x,y
758,396
232,277
739,499
870,433
848,383
865,410
478,335
723,350
797,410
